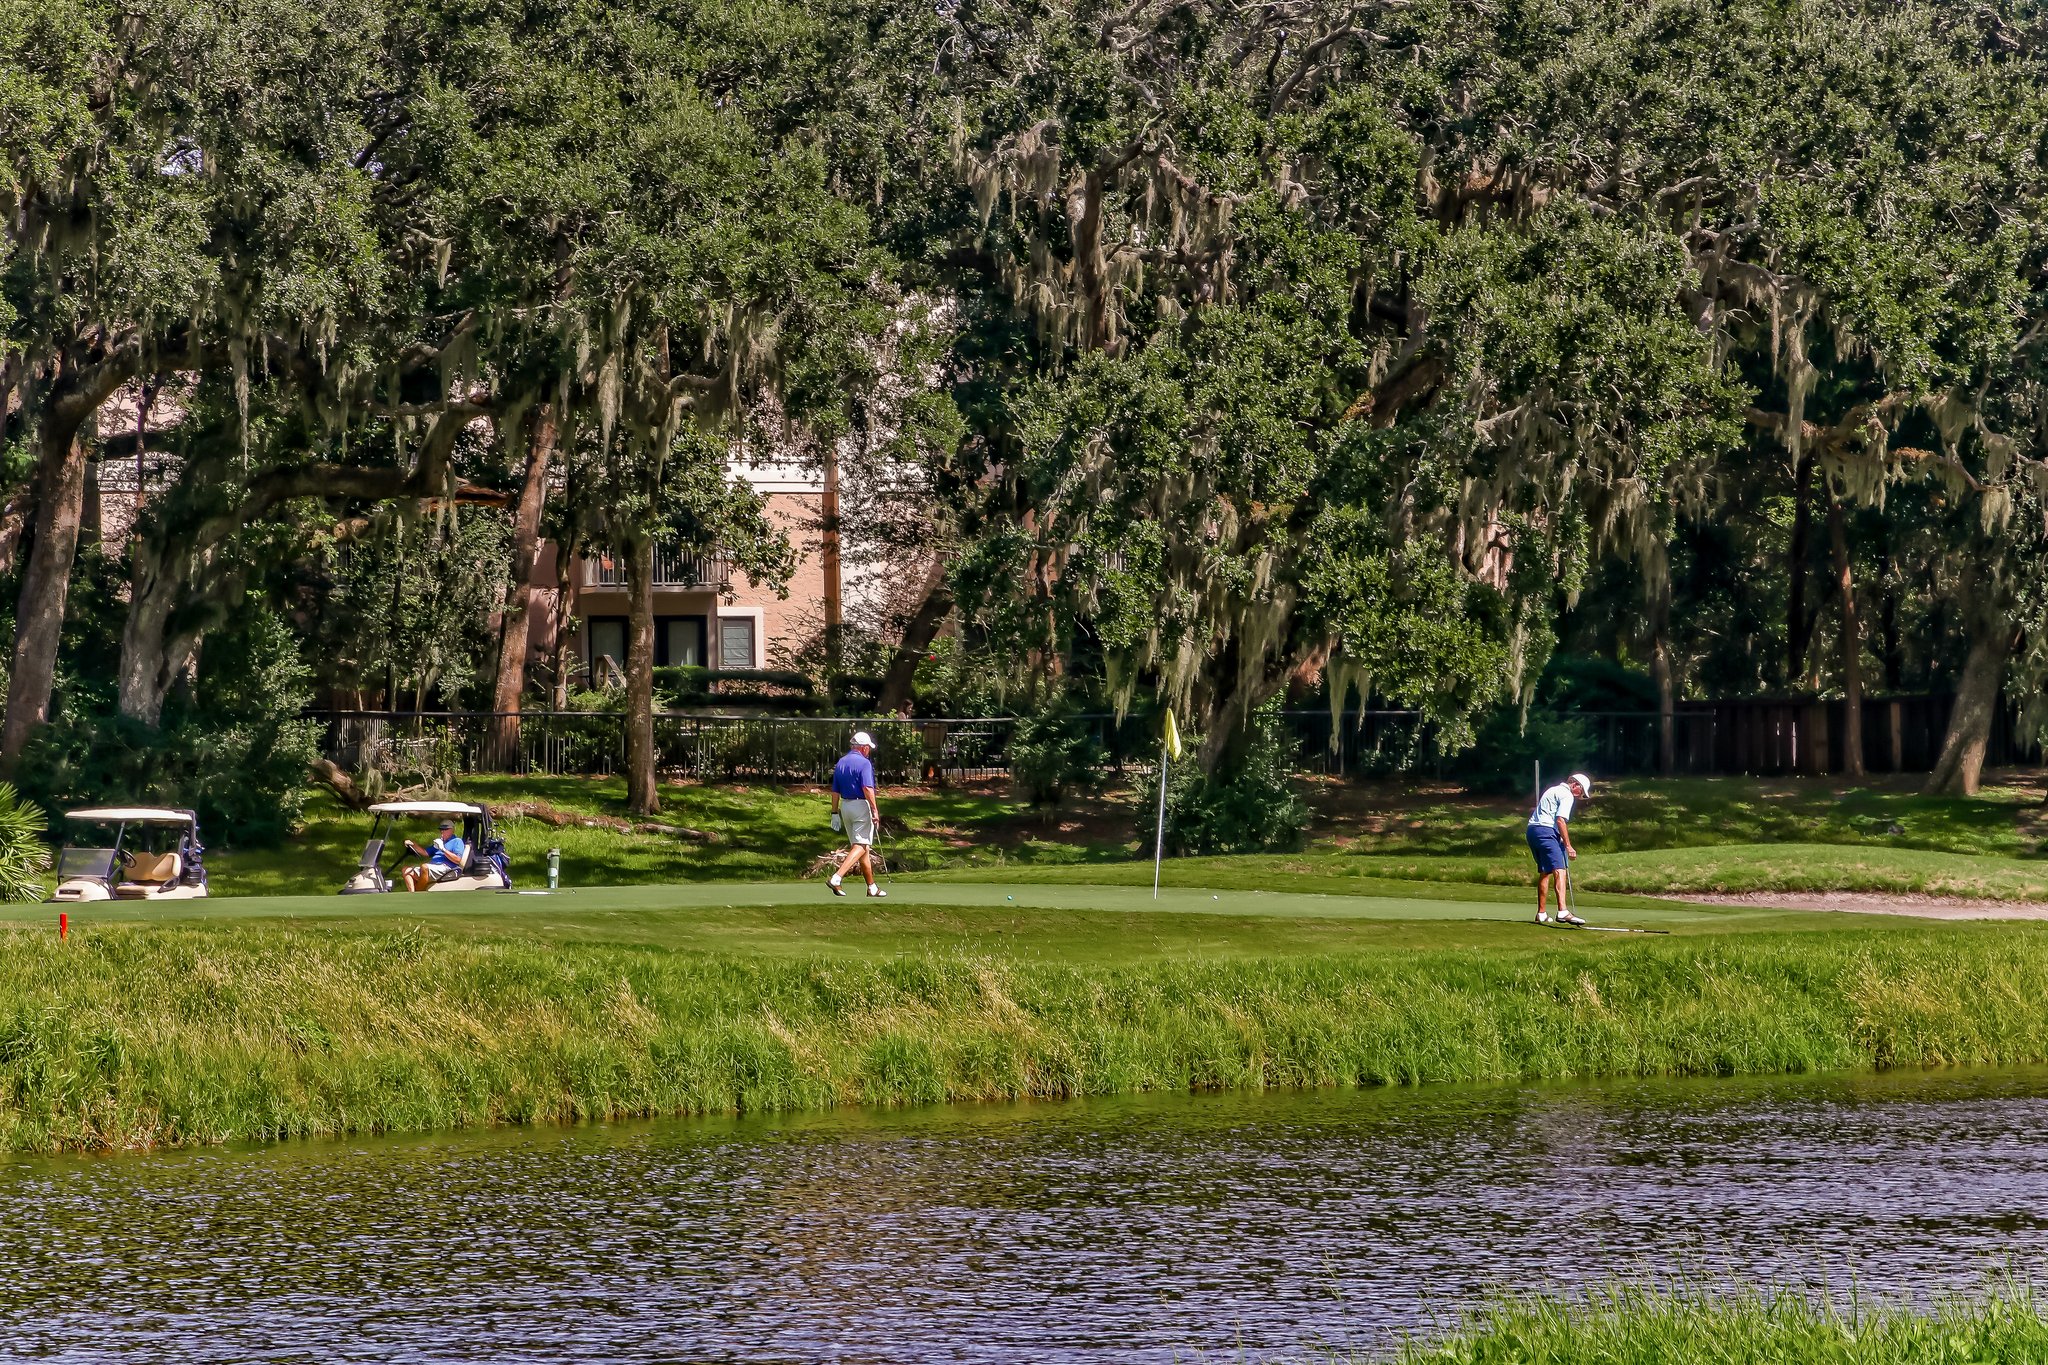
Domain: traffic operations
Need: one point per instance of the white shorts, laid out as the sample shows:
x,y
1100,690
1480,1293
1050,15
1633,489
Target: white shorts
x,y
860,823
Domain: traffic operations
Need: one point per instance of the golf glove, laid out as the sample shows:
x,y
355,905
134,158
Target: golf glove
x,y
837,823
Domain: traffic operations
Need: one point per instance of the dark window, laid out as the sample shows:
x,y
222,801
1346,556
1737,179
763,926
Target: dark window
x,y
678,641
607,640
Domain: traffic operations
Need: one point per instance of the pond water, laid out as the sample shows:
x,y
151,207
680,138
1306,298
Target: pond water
x,y
1222,1227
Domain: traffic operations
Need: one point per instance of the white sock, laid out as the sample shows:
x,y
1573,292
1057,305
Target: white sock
x,y
832,880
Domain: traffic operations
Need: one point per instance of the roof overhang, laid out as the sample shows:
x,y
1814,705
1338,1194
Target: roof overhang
x,y
122,815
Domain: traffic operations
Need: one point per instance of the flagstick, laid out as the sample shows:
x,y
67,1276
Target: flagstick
x,y
1159,845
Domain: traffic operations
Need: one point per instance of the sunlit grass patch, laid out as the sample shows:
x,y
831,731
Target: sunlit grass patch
x,y
1655,1327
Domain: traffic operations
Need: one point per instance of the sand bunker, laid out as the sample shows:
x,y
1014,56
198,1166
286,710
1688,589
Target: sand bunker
x,y
1876,903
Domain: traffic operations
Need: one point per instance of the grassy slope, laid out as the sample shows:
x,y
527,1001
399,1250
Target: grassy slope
x,y
253,1025
1691,834
2006,820
739,833
1655,1329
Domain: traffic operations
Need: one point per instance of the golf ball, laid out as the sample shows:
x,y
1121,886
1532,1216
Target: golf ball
x,y
1215,898
1009,898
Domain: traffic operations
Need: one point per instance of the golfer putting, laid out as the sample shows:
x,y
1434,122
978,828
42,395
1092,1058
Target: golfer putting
x,y
1550,840
855,811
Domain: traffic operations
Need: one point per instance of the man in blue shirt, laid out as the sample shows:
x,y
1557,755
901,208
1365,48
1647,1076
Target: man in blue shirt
x,y
1550,840
854,809
444,859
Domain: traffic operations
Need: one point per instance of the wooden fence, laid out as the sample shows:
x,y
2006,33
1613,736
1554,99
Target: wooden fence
x,y
1775,736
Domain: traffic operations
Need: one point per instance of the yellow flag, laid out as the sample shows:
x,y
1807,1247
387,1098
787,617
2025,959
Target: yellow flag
x,y
1172,737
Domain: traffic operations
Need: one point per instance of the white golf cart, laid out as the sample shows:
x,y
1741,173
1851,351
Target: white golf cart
x,y
155,855
484,867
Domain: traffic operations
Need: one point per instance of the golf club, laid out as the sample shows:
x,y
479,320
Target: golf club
x,y
1572,904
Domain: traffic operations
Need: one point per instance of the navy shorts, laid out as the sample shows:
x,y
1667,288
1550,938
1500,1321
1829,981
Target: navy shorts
x,y
1548,848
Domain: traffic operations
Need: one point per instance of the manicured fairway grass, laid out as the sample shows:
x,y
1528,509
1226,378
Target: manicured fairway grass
x,y
1632,876
731,833
2007,819
264,1018
1108,922
1636,1328
1686,834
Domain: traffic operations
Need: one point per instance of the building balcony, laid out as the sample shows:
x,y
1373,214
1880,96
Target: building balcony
x,y
672,569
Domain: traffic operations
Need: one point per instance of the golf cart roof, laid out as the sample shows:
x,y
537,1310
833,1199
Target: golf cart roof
x,y
118,815
425,808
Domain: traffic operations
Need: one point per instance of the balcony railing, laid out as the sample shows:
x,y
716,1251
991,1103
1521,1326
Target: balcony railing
x,y
672,569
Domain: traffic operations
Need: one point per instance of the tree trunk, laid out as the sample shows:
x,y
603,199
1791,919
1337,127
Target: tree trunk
x,y
46,583
566,556
918,634
1960,769
641,797
1888,629
146,672
14,521
1851,642
1798,624
91,516
1665,678
828,561
517,634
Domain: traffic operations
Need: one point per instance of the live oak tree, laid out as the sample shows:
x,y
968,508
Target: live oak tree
x,y
1327,385
1313,340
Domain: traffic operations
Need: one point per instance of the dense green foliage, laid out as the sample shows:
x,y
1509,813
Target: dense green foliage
x,y
1252,804
1511,742
1186,351
24,854
235,750
1054,753
133,1035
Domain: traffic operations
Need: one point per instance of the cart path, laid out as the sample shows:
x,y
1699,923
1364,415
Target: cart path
x,y
1873,903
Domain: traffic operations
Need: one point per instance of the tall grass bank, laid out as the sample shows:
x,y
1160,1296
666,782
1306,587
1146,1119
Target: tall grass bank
x,y
1632,1327
130,1037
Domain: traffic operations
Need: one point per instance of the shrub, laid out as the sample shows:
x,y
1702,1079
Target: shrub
x,y
695,685
235,749
1502,760
24,856
1054,751
956,679
1253,806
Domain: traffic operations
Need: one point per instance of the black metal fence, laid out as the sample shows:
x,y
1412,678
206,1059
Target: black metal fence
x,y
1749,736
705,748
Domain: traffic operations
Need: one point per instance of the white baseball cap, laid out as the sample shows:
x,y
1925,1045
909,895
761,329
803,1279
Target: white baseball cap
x,y
863,740
1585,783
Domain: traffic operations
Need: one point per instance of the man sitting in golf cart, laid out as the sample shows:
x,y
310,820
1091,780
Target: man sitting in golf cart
x,y
443,860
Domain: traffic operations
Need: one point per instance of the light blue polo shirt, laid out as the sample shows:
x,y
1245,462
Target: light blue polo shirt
x,y
1554,805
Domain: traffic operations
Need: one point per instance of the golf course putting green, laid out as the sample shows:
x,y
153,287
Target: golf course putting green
x,y
1422,902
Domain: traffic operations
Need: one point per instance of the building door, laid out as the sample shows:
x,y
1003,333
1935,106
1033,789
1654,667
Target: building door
x,y
679,641
736,642
606,643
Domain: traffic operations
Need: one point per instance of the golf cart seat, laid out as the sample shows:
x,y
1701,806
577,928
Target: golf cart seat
x,y
147,872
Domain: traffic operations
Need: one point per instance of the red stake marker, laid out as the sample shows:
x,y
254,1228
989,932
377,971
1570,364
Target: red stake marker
x,y
63,925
